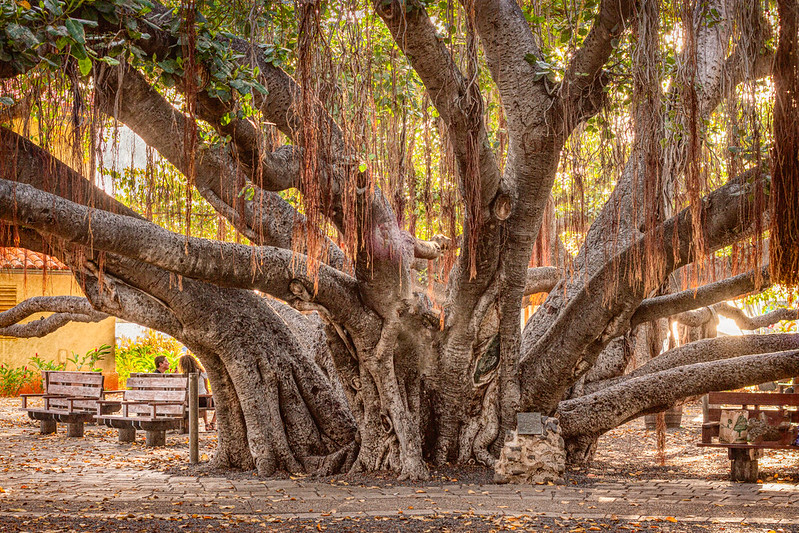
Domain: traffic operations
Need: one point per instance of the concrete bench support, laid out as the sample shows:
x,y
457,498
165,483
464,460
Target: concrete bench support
x,y
75,429
127,435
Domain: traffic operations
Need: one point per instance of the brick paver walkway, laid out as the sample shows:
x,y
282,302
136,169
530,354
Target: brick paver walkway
x,y
97,476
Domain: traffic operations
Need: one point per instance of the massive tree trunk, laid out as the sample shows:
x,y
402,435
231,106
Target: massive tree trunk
x,y
343,361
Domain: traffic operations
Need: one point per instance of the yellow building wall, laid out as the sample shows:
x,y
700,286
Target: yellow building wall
x,y
76,337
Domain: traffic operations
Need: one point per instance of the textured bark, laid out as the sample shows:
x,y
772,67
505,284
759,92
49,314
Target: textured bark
x,y
703,351
756,322
548,368
597,413
71,305
727,289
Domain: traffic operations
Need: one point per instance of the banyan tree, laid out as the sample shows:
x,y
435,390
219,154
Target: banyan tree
x,y
345,206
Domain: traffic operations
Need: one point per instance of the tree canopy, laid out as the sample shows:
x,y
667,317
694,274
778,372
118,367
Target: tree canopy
x,y
344,206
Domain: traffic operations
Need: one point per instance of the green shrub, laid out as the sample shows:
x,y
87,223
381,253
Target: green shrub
x,y
13,379
40,364
90,359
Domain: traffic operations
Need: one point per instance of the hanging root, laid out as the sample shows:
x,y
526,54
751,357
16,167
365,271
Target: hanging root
x,y
784,244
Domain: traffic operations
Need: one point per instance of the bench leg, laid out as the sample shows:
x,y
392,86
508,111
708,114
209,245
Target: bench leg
x,y
127,435
155,438
75,429
743,465
47,427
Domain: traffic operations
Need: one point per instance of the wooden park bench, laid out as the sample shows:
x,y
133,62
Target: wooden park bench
x,y
72,398
153,403
777,408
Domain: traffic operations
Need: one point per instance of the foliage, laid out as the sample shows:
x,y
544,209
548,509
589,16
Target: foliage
x,y
45,365
137,355
90,358
13,379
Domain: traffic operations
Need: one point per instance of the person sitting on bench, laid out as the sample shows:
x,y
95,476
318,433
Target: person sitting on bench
x,y
188,364
161,364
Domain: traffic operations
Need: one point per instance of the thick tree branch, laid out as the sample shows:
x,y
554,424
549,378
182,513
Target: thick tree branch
x,y
755,322
597,413
541,279
456,99
266,219
511,51
280,169
67,305
727,289
704,351
114,297
47,325
587,326
583,83
696,318
265,268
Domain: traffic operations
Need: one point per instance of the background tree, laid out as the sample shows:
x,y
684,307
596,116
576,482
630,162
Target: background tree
x,y
389,173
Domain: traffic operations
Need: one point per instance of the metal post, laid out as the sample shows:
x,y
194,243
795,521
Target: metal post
x,y
194,415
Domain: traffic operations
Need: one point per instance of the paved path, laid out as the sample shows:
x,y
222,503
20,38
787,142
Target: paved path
x,y
156,493
96,476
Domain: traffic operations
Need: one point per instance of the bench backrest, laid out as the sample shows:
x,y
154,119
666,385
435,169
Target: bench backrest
x,y
777,407
157,388
87,385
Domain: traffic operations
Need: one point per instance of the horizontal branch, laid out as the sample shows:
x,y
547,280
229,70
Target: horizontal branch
x,y
703,351
599,412
47,325
756,322
115,297
541,279
265,268
672,304
73,305
696,317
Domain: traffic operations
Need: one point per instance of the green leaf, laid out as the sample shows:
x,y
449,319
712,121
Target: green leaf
x,y
109,61
5,100
104,7
168,65
362,167
85,66
22,34
75,29
53,7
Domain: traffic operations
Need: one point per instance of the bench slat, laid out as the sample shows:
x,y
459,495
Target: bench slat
x,y
772,415
62,403
740,445
155,395
68,378
75,390
177,382
753,398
